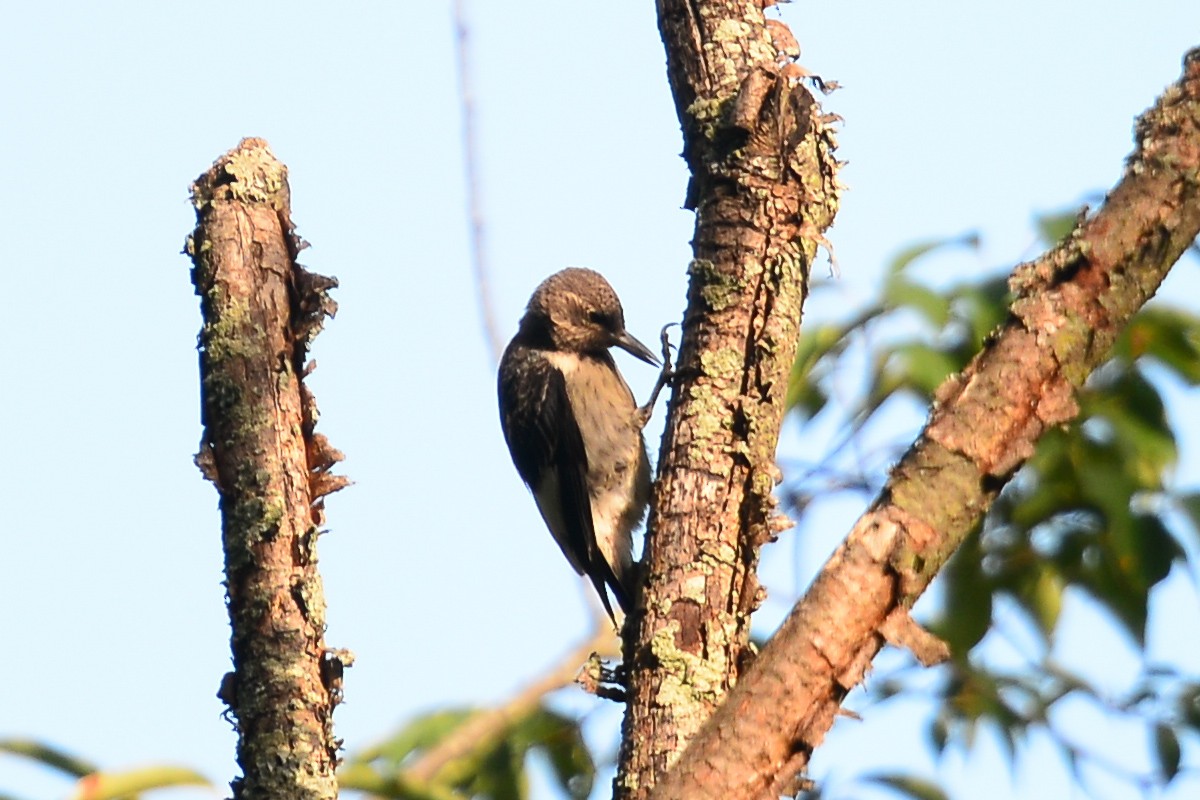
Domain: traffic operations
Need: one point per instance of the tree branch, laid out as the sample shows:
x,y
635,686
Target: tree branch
x,y
261,310
488,726
764,190
466,103
1070,305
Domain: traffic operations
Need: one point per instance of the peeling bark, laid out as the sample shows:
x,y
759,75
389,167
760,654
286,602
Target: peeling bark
x,y
1071,304
763,188
261,310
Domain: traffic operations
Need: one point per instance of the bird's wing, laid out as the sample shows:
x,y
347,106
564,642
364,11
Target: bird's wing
x,y
547,448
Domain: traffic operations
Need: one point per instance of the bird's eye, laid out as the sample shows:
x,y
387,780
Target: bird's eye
x,y
598,318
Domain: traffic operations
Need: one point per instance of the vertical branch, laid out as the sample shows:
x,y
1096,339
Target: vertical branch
x,y
763,187
261,309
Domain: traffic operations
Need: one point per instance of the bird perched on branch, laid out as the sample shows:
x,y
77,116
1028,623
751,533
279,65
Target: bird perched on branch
x,y
573,429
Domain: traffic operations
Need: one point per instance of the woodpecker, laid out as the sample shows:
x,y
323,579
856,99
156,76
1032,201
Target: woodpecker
x,y
573,429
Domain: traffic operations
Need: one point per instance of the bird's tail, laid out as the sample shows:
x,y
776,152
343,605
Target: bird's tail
x,y
621,581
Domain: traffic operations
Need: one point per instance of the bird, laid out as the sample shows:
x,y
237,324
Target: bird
x,y
573,429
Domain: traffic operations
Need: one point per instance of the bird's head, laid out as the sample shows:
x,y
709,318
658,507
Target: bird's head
x,y
580,313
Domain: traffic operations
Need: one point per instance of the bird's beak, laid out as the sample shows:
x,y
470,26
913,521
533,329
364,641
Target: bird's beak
x,y
635,348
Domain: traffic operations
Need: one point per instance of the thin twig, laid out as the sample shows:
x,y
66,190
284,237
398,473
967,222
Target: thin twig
x,y
488,725
479,265
466,98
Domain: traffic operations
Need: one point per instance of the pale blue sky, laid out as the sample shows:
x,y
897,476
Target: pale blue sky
x,y
439,574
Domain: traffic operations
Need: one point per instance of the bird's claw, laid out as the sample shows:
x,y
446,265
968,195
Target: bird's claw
x,y
665,376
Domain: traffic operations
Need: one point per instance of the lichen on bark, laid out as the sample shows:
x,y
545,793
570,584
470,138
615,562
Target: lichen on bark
x,y
763,183
260,311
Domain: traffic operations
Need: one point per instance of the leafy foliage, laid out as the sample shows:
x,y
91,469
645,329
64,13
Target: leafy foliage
x,y
92,783
491,766
909,786
1092,510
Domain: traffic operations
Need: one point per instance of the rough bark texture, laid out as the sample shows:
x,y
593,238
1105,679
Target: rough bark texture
x,y
1070,306
764,190
260,311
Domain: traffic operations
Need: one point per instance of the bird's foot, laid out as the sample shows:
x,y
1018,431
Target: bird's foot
x,y
665,376
608,683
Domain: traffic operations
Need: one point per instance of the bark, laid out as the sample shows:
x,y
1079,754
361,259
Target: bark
x,y
764,190
1070,305
260,311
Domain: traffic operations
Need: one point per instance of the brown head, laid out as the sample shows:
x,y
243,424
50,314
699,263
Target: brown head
x,y
578,312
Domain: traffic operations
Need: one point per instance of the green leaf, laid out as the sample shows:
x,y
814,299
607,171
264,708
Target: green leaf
x,y
968,599
1189,503
572,764
1130,560
1009,729
1170,336
804,392
1044,600
1132,412
908,785
111,785
899,292
1134,558
560,738
939,734
1104,483
1166,748
933,306
1071,758
1188,704
905,258
1056,226
501,776
49,756
1156,550
921,367
363,777
981,307
495,769
421,733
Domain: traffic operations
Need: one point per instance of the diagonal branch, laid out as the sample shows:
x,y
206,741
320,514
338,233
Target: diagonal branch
x,y
1070,305
483,729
